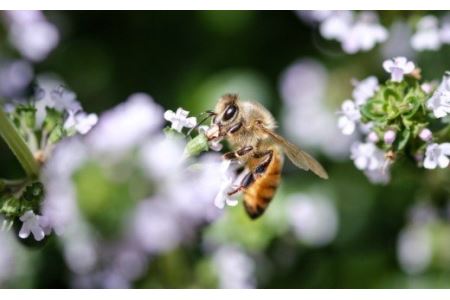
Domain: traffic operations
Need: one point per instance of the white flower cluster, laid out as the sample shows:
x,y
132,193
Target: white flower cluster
x,y
355,31
31,33
366,155
429,35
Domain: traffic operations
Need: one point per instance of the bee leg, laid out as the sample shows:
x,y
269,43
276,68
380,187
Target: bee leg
x,y
238,153
262,167
245,183
235,128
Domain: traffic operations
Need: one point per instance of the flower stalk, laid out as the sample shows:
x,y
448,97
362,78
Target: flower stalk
x,y
18,146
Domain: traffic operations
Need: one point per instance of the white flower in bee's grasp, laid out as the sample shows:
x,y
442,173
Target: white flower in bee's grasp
x,y
81,122
32,224
350,116
215,144
437,155
398,67
427,36
439,103
365,89
222,198
367,156
179,119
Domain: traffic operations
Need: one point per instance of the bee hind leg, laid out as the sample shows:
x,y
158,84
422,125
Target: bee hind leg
x,y
266,159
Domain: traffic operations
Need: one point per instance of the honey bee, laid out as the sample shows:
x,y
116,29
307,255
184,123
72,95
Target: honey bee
x,y
249,128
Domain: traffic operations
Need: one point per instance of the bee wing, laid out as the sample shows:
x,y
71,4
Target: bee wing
x,y
298,157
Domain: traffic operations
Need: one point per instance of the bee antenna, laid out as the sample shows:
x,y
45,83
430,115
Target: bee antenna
x,y
210,114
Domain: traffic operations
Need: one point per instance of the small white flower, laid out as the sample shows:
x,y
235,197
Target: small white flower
x,y
426,135
227,186
32,224
365,89
81,121
427,36
436,155
389,137
440,101
179,119
350,116
398,67
367,156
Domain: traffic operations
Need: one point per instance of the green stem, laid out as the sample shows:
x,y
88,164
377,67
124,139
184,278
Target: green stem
x,y
18,146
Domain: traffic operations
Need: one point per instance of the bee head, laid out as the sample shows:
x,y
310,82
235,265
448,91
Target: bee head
x,y
227,110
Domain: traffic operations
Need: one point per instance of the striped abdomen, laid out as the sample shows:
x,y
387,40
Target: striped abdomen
x,y
259,194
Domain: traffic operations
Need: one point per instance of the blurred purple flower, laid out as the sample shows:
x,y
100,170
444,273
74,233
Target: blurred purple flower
x,y
15,76
350,116
427,36
126,125
31,34
437,155
364,90
313,218
414,249
234,268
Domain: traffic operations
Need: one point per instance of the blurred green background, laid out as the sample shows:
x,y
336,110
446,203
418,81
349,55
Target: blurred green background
x,y
189,59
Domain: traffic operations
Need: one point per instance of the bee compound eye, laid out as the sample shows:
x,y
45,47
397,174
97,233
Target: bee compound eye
x,y
229,112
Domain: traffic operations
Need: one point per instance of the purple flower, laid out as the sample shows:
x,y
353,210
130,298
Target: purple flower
x,y
398,67
437,155
426,135
32,224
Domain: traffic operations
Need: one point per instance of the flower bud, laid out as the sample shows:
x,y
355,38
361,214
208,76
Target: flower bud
x,y
197,145
389,136
372,137
426,135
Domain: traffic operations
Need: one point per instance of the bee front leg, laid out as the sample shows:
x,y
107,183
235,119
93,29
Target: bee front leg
x,y
237,154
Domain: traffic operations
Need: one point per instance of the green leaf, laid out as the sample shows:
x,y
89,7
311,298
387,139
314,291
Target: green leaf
x,y
374,110
404,138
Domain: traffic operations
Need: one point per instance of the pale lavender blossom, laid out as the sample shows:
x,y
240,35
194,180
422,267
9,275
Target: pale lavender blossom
x,y
32,224
364,34
365,89
234,268
32,34
314,16
81,122
389,137
439,102
398,67
437,155
180,119
427,87
380,175
427,36
349,118
156,226
426,135
313,218
7,258
126,125
336,25
162,157
367,156
15,76
414,249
